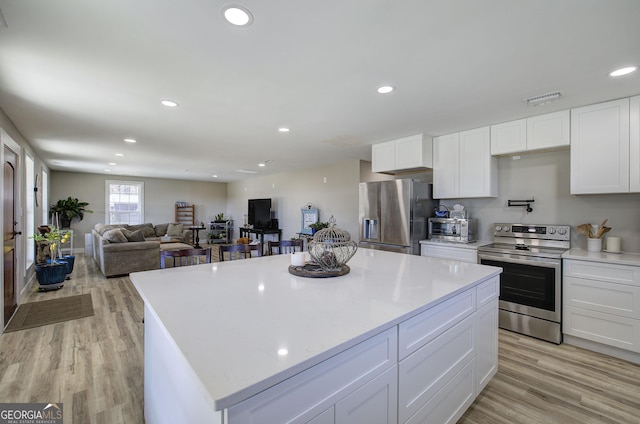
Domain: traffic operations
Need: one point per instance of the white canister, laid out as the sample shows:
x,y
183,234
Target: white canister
x,y
297,259
594,244
614,244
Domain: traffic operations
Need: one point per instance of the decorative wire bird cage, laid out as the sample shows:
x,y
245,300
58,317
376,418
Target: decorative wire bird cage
x,y
332,248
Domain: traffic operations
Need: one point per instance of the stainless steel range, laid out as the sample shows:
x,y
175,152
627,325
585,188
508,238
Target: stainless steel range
x,y
531,281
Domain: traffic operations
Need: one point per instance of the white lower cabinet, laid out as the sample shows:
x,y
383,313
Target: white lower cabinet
x,y
427,369
601,303
449,251
373,403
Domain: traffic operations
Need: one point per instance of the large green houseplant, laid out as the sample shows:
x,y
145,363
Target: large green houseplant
x,y
68,209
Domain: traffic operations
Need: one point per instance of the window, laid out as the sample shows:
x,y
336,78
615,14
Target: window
x,y
30,212
125,202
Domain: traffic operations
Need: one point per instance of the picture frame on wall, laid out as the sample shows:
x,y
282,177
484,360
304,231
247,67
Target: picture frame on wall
x,y
309,216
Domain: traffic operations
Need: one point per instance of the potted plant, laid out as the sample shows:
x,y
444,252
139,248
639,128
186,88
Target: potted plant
x,y
51,272
220,218
316,226
68,209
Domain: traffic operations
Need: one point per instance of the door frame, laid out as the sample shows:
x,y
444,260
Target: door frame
x,y
20,273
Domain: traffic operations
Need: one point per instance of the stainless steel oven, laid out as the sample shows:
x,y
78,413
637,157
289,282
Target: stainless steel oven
x,y
531,282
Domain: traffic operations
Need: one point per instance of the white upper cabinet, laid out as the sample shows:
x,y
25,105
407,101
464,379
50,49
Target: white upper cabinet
x,y
509,137
404,154
634,145
548,131
383,156
463,166
446,166
543,132
600,148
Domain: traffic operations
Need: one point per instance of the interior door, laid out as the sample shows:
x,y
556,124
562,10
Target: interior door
x,y
9,234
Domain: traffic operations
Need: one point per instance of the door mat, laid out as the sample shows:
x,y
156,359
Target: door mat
x,y
36,314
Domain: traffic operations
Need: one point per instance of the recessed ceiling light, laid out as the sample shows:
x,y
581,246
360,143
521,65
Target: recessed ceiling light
x,y
214,176
262,164
120,155
107,170
130,140
169,103
283,129
385,89
622,71
112,164
237,15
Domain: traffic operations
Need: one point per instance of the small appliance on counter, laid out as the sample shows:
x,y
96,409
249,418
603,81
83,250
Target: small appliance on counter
x,y
453,229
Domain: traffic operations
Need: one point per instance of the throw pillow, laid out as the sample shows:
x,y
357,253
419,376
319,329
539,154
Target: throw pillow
x,y
115,235
106,228
175,230
137,235
161,230
147,229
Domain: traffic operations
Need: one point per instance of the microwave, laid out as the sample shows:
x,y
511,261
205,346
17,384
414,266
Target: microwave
x,y
453,229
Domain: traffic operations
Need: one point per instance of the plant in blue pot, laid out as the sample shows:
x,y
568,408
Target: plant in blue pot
x,y
51,269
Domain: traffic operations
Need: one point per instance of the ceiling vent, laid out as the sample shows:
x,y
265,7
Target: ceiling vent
x,y
543,99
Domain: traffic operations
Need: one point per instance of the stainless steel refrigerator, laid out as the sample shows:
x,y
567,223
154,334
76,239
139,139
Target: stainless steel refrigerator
x,y
393,214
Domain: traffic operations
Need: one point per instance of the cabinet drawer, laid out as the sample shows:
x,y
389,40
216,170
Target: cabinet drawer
x,y
305,395
427,371
617,299
448,252
421,329
448,405
602,271
604,328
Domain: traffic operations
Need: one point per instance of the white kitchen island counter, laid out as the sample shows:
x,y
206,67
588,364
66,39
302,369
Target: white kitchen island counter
x,y
218,334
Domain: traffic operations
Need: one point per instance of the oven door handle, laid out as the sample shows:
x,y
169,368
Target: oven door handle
x,y
545,264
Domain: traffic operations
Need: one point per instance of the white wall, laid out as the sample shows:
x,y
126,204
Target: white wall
x,y
546,177
290,192
160,196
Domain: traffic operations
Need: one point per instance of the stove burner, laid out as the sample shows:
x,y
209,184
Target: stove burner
x,y
522,247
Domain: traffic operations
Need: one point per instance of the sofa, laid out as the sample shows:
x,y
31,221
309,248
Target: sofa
x,y
120,249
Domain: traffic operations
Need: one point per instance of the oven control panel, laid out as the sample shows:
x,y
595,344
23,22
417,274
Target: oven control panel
x,y
531,231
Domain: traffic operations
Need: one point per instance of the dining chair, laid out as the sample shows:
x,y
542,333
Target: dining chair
x,y
239,251
285,246
186,257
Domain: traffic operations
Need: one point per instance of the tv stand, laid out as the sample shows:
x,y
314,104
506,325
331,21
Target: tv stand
x,y
246,232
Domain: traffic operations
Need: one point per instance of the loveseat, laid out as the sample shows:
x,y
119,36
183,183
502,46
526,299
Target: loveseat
x,y
120,249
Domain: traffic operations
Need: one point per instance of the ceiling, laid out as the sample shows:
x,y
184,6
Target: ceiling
x,y
79,76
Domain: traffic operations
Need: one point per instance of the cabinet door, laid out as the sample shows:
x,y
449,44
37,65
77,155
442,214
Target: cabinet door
x,y
415,151
486,344
383,157
375,402
446,156
600,148
548,131
327,417
634,145
509,137
478,169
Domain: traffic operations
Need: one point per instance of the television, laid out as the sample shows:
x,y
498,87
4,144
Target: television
x,y
259,213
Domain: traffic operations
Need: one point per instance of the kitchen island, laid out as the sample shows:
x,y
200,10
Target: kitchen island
x,y
401,338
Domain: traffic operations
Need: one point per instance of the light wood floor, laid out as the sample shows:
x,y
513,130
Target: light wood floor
x,y
94,366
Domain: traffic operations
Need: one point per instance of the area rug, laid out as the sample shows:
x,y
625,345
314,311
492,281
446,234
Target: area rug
x,y
36,314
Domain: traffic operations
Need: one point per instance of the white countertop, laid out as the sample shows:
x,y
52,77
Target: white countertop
x,y
623,258
246,325
472,245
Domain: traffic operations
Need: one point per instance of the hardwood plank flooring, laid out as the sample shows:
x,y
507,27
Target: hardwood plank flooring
x,y
94,366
